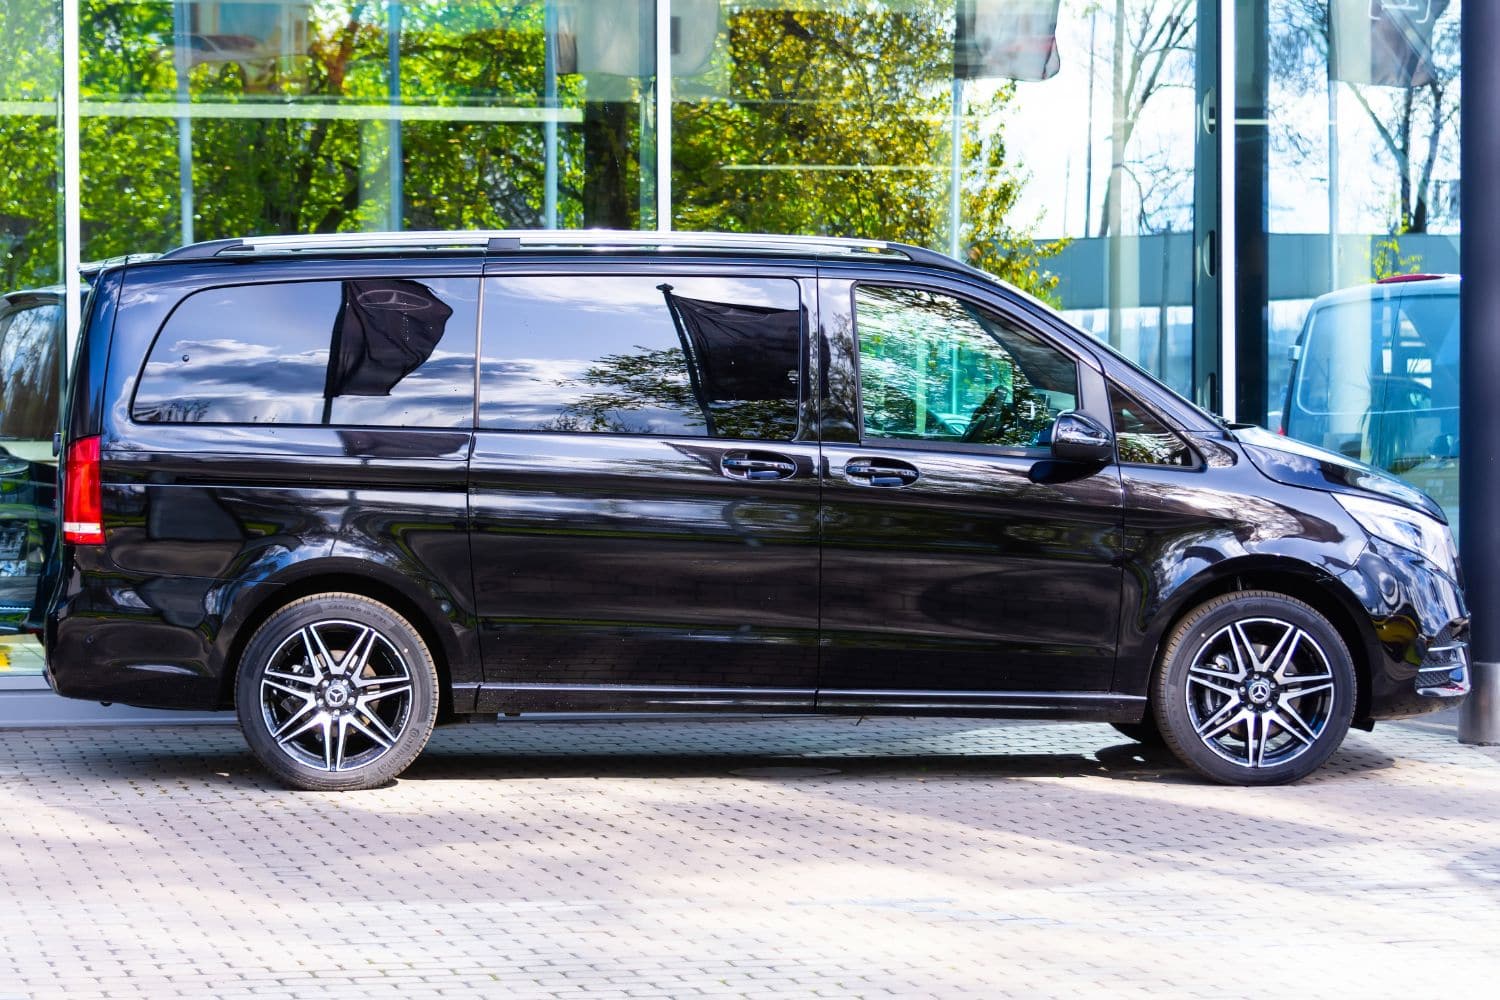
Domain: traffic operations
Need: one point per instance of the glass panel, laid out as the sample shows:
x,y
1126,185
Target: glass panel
x,y
983,128
695,357
1355,160
1140,436
30,336
382,352
934,368
1377,380
31,325
216,118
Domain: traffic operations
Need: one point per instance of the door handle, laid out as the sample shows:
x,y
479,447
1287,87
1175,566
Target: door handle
x,y
886,472
757,465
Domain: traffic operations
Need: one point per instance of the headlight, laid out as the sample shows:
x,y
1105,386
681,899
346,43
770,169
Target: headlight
x,y
1405,527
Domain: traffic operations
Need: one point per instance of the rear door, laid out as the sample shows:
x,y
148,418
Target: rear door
x,y
643,490
962,566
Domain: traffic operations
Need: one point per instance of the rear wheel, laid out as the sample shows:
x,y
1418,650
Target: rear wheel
x,y
336,691
1254,688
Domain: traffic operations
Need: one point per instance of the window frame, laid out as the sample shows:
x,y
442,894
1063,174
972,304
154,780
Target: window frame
x,y
803,280
1112,386
955,447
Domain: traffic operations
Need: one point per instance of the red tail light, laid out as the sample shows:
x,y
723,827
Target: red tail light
x,y
83,504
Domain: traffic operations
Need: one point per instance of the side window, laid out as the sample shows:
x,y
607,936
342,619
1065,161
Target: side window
x,y
935,368
691,356
385,352
1142,439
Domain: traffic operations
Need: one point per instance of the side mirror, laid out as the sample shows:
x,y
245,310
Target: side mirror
x,y
1077,437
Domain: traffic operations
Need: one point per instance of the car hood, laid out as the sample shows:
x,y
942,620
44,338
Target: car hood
x,y
1299,464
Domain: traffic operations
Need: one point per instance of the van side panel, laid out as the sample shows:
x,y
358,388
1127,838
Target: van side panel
x,y
205,523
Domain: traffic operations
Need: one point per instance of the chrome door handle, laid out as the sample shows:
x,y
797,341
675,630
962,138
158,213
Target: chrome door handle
x,y
884,472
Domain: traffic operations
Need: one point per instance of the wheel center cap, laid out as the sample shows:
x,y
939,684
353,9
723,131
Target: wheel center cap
x,y
1259,691
337,694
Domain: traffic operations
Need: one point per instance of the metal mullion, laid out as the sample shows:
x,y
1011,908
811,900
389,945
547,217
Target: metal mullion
x,y
72,192
664,115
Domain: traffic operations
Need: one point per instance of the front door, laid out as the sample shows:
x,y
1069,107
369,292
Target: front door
x,y
962,566
644,493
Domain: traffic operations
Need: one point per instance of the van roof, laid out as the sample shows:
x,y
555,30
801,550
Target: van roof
x,y
506,241
1409,287
501,242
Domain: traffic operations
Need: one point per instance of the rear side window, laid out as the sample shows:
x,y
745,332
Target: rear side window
x,y
388,352
665,356
936,368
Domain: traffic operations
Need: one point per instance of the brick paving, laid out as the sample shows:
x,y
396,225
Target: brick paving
x,y
629,859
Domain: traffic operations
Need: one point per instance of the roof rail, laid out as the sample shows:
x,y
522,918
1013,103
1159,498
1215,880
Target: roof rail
x,y
502,241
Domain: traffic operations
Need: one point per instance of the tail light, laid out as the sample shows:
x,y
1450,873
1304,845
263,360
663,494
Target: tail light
x,y
83,503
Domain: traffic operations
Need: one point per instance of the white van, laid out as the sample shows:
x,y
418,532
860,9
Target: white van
x,y
1375,377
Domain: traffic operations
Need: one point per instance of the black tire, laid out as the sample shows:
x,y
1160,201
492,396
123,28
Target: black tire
x,y
320,722
1254,688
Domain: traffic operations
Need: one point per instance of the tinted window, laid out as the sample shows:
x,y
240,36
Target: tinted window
x,y
698,357
29,371
370,351
1141,438
935,368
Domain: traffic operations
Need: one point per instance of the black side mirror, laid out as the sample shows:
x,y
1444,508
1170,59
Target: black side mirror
x,y
1077,437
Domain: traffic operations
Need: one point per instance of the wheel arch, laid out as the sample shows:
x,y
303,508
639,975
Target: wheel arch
x,y
1322,592
329,576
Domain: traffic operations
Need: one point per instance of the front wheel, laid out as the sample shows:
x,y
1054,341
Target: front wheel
x,y
336,691
1254,688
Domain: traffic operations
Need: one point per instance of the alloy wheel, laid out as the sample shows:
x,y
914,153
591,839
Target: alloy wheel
x,y
1260,692
336,695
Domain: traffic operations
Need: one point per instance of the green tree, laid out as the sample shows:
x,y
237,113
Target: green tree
x,y
31,76
828,118
834,120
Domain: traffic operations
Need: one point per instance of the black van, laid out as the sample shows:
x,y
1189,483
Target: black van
x,y
354,485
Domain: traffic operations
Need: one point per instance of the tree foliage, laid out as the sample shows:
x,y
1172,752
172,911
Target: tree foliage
x,y
828,118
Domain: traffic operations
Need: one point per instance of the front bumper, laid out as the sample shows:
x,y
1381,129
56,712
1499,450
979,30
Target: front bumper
x,y
1444,670
1418,648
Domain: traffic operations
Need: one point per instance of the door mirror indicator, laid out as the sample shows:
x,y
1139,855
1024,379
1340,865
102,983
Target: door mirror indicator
x,y
1077,437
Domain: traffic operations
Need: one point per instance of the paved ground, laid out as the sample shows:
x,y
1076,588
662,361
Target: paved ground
x,y
679,859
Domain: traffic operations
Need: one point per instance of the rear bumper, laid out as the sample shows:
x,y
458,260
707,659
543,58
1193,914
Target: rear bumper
x,y
95,649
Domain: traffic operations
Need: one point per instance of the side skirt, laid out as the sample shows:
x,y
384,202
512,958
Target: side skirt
x,y
1083,707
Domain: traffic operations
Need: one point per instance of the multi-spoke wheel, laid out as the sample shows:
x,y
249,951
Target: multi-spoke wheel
x,y
336,691
1254,688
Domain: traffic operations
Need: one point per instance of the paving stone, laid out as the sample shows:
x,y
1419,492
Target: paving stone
x,y
940,858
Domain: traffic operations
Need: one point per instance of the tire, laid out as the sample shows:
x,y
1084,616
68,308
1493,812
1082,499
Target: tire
x,y
1254,688
320,722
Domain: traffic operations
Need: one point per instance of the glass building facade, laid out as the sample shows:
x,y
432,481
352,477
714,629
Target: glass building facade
x,y
1072,147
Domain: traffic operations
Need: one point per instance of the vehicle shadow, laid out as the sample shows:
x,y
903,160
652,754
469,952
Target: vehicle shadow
x,y
775,750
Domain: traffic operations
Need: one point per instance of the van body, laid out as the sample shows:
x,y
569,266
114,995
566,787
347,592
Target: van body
x,y
353,486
